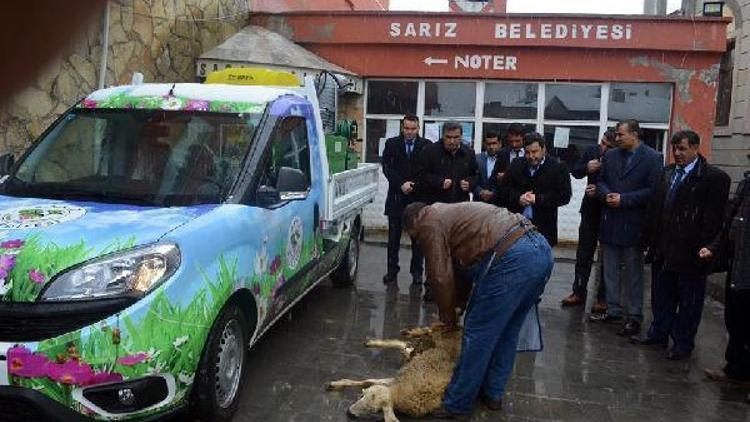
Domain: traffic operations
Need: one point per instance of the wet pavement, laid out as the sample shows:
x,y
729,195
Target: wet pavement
x,y
585,373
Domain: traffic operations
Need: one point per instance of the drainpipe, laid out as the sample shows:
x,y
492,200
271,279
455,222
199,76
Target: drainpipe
x,y
105,47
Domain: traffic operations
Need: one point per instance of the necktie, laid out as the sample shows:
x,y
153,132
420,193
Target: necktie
x,y
409,148
676,181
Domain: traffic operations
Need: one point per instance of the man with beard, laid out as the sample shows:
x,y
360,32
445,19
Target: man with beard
x,y
487,161
536,186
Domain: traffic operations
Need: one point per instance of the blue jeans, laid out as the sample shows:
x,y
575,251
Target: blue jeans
x,y
497,309
677,305
632,258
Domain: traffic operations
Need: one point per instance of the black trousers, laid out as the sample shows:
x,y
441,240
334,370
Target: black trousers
x,y
677,306
588,237
737,319
394,244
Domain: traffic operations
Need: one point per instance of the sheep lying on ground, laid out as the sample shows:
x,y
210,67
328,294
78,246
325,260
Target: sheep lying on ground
x,y
418,387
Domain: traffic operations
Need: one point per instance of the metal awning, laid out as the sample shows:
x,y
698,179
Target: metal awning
x,y
255,45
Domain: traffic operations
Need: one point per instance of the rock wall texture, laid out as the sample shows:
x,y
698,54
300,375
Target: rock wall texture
x,y
731,142
159,38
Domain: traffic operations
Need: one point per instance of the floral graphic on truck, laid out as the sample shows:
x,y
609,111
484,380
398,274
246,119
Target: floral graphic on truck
x,y
170,102
39,216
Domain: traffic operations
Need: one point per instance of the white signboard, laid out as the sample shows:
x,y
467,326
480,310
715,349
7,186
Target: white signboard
x,y
432,131
562,137
393,128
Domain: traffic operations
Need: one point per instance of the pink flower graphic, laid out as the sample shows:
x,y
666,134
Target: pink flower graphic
x,y
23,363
71,372
88,103
12,244
135,359
197,105
7,262
275,264
277,288
36,276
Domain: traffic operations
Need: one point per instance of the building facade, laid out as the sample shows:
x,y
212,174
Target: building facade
x,y
731,137
567,77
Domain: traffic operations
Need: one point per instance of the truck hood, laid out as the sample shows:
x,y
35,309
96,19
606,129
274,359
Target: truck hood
x,y
41,237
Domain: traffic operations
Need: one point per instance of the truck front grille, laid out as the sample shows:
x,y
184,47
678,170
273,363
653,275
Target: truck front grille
x,y
40,321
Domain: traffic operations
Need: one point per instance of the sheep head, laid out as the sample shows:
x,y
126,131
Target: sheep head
x,y
374,399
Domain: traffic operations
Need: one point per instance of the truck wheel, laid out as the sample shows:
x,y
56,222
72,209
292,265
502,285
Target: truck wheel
x,y
220,375
346,273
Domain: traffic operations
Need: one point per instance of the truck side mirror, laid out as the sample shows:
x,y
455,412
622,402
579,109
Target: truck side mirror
x,y
6,163
267,196
291,184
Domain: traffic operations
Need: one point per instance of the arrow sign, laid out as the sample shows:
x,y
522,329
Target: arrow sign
x,y
429,61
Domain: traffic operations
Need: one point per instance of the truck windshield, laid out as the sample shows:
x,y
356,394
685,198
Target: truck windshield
x,y
148,157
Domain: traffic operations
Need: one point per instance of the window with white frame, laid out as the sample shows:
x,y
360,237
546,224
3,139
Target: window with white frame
x,y
571,116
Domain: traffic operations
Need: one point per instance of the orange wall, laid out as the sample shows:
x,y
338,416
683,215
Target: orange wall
x,y
279,6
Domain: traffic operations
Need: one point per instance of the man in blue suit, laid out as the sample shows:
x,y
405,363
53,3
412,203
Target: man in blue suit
x,y
487,161
627,177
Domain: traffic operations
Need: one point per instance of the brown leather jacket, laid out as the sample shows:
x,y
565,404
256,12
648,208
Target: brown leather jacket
x,y
458,235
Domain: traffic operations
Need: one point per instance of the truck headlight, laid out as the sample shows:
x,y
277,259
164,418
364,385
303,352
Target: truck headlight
x,y
129,273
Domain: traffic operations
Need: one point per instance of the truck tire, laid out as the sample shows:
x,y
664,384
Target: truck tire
x,y
346,273
221,371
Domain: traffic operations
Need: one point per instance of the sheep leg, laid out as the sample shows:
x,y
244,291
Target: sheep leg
x,y
344,383
399,345
416,332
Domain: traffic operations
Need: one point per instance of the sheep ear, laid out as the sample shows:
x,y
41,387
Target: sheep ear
x,y
388,414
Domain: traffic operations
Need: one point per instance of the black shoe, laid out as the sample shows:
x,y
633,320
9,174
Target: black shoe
x,y
605,318
675,355
390,278
630,328
492,404
647,341
416,280
443,413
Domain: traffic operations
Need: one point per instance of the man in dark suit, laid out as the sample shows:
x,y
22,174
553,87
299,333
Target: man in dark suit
x,y
486,189
512,150
399,166
536,186
685,214
588,166
447,172
730,249
625,184
447,169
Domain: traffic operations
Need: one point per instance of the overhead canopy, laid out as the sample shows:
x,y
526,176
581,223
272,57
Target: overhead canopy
x,y
254,45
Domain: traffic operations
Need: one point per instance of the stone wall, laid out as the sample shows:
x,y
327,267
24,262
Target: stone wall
x,y
159,38
731,143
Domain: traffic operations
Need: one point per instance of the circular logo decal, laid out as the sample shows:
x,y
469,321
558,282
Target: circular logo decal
x,y
294,243
39,216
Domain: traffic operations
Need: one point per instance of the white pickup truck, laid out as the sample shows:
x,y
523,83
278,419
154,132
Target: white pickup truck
x,y
153,233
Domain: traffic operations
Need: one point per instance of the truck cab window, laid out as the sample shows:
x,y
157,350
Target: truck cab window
x,y
288,148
